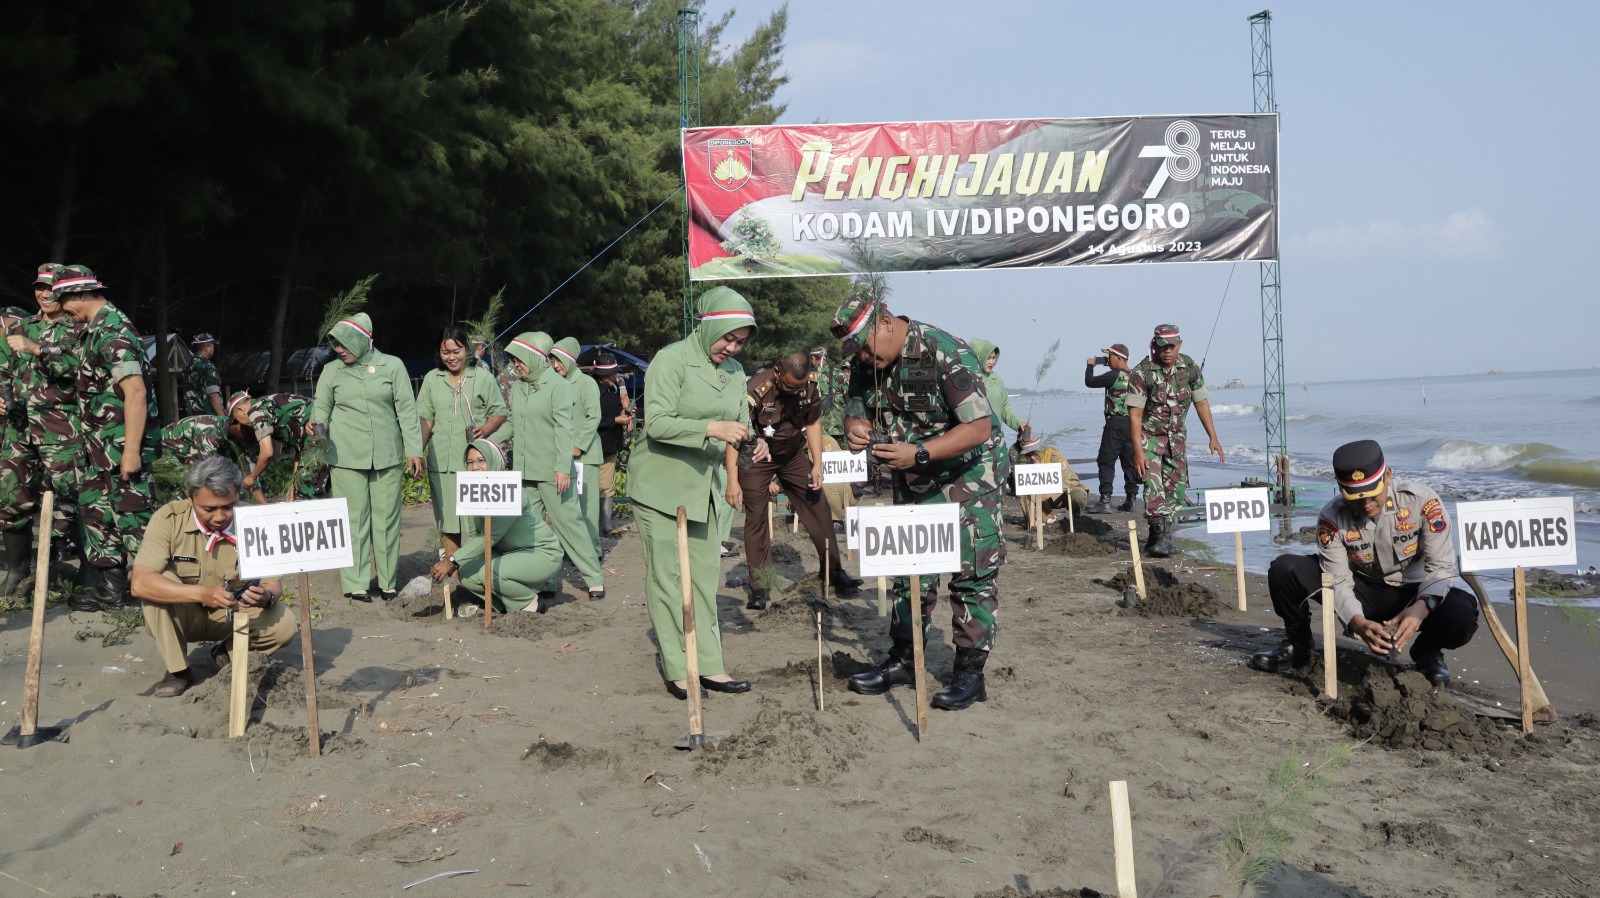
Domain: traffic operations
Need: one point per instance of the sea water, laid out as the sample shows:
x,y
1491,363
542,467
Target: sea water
x,y
1470,437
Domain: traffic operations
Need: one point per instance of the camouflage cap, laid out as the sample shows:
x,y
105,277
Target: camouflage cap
x,y
48,272
202,339
1166,335
235,399
854,317
819,350
76,279
12,313
1119,349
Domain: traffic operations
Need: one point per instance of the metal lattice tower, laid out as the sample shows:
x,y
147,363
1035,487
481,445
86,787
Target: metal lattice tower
x,y
688,117
1273,411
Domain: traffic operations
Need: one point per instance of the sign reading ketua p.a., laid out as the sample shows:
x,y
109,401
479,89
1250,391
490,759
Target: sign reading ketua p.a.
x,y
1039,480
293,538
1238,511
844,467
897,540
1537,532
496,493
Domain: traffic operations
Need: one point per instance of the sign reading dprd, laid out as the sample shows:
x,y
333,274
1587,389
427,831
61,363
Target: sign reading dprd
x,y
898,540
497,493
293,538
1237,511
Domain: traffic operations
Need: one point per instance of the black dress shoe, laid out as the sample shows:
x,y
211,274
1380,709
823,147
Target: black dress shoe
x,y
682,695
597,593
728,551
389,595
84,602
174,684
843,582
359,596
1432,666
894,671
731,687
758,600
1289,655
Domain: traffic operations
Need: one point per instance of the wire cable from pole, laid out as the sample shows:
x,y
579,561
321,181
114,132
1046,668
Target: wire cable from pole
x,y
1207,354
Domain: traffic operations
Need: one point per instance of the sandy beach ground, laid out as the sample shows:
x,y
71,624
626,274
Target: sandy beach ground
x,y
539,754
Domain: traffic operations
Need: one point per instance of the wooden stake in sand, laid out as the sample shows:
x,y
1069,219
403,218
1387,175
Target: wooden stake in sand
x,y
921,674
1330,648
1133,549
1122,840
1238,565
239,661
488,571
820,705
310,664
691,647
883,596
28,732
1543,711
449,607
1524,666
1038,523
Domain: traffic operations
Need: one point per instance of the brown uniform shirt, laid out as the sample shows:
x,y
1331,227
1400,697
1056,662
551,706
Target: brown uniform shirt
x,y
786,414
175,546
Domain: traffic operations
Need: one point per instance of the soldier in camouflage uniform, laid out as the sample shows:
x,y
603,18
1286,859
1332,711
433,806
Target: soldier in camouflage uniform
x,y
117,405
19,463
1160,391
276,423
50,393
922,388
1116,439
832,381
202,385
193,438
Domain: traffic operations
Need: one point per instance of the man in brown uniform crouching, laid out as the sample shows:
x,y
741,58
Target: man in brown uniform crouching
x,y
188,556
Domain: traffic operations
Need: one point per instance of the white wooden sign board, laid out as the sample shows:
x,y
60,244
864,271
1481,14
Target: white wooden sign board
x,y
1039,480
844,467
852,528
899,540
293,538
493,493
1238,511
1507,533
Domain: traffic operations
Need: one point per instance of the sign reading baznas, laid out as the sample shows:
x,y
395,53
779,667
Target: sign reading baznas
x,y
784,201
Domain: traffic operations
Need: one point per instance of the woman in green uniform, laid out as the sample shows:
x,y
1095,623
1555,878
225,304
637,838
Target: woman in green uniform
x,y
585,432
457,402
695,412
364,402
526,551
541,422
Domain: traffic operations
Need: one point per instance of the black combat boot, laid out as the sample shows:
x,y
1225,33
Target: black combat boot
x,y
894,671
17,546
1430,663
1127,502
842,581
113,589
1154,537
605,517
1293,653
966,683
1101,506
759,599
1163,547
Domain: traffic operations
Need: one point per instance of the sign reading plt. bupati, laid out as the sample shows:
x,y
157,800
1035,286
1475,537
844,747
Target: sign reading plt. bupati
x,y
844,467
293,538
790,200
899,540
496,493
1537,532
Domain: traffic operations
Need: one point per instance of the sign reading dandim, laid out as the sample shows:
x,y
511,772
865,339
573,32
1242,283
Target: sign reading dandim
x,y
1537,532
293,538
897,540
791,200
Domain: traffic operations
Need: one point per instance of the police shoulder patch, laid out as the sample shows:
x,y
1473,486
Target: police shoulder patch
x,y
1438,524
1326,531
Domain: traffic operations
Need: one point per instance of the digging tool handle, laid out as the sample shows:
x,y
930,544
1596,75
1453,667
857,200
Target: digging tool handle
x,y
41,597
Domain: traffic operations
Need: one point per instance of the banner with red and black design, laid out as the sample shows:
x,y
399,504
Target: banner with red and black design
x,y
793,200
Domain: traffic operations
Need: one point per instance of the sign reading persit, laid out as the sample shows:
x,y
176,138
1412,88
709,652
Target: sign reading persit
x,y
1536,532
844,467
293,538
899,540
493,493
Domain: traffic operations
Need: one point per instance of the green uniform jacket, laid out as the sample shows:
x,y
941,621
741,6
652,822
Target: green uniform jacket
x,y
995,387
479,400
524,533
586,420
370,413
675,462
541,424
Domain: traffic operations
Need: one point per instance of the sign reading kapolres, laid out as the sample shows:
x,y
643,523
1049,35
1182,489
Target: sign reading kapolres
x,y
791,200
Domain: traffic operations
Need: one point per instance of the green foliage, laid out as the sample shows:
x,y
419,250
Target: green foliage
x,y
487,326
415,491
320,610
60,591
121,622
752,237
766,577
1046,363
1253,843
166,480
343,305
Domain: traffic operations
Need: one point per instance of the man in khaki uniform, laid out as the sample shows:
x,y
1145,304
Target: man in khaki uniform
x,y
188,556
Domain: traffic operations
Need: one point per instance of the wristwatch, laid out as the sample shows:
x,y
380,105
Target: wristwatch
x,y
454,565
922,455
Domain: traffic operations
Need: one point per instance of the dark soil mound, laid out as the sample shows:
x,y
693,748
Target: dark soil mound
x,y
1079,545
1167,596
1400,709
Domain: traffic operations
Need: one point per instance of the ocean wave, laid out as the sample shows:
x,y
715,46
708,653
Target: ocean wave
x,y
1588,400
1307,416
1234,410
1578,472
1465,455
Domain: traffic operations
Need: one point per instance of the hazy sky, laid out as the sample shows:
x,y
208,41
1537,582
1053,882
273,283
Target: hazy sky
x,y
1425,153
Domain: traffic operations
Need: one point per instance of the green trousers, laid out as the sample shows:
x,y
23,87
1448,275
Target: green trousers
x,y
374,500
589,505
518,574
566,518
442,484
664,595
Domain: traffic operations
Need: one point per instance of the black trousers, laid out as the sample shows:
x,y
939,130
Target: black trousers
x,y
1294,580
1116,442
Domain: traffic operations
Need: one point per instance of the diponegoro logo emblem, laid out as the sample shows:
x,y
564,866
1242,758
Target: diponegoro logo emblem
x,y
731,161
1180,156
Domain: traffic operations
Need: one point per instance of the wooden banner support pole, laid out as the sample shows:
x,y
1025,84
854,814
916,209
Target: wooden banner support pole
x,y
820,705
1330,640
921,674
1133,549
883,596
310,663
1038,523
1238,565
239,659
488,571
1122,840
1524,665
1543,711
449,606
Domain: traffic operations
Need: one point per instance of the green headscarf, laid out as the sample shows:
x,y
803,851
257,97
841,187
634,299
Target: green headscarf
x,y
983,349
569,349
354,334
491,452
531,348
722,311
